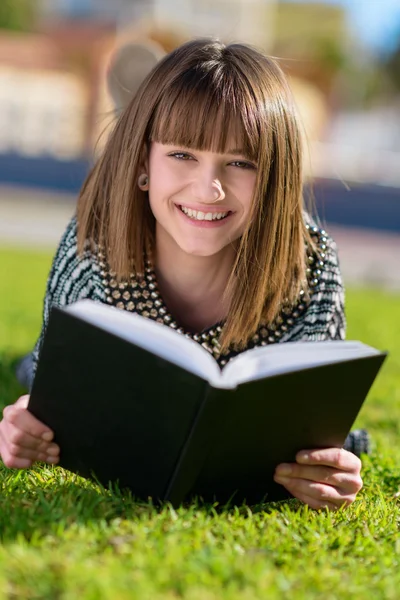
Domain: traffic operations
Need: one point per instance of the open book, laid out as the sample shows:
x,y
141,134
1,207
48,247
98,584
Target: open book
x,y
133,401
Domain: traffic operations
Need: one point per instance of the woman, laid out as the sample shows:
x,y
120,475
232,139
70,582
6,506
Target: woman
x,y
193,216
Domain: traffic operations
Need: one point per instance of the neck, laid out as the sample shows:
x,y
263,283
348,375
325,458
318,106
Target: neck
x,y
193,287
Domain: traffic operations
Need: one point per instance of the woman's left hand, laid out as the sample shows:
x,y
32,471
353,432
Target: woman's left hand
x,y
326,478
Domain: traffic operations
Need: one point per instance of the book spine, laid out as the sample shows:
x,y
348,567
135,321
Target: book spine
x,y
206,427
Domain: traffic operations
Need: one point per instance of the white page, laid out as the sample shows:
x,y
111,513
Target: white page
x,y
150,335
250,365
288,357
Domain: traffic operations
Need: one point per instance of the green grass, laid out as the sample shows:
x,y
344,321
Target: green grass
x,y
65,538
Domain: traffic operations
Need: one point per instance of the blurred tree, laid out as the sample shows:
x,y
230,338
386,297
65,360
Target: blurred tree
x,y
18,15
392,68
313,41
329,52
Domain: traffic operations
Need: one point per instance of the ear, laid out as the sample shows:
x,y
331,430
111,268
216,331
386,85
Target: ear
x,y
143,182
129,66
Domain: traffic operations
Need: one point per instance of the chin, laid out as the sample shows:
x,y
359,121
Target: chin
x,y
200,250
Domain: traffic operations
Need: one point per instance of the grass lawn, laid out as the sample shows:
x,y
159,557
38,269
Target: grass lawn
x,y
64,538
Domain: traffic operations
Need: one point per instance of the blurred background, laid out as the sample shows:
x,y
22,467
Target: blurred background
x,y
343,60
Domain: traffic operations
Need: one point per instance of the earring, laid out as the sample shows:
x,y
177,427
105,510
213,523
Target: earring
x,y
143,181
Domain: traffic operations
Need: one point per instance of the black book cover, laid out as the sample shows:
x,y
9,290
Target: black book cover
x,y
115,409
266,422
123,414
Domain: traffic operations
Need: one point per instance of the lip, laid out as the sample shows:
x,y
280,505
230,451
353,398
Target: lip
x,y
205,224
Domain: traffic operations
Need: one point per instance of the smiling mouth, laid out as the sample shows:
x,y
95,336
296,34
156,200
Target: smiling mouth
x,y
198,215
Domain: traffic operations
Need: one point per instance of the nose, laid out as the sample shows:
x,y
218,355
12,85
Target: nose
x,y
208,188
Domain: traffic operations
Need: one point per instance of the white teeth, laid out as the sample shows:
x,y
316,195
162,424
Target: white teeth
x,y
201,216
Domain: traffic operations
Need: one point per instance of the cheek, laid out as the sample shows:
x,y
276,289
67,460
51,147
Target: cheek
x,y
160,193
155,201
245,193
164,182
158,187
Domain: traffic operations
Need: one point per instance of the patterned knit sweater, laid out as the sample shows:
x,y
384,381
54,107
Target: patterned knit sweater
x,y
74,278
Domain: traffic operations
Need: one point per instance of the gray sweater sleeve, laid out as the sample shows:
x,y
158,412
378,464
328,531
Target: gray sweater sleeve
x,y
324,318
71,278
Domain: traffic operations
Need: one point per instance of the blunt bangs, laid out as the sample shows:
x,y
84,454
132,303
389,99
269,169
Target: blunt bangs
x,y
208,109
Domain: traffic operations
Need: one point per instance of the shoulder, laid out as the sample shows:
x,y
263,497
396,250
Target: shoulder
x,y
324,265
323,316
67,246
73,275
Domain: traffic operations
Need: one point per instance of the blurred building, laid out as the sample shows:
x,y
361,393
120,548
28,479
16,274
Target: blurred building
x,y
229,19
52,82
48,89
53,98
115,10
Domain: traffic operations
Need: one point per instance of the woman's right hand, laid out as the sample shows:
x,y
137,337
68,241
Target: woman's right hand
x,y
23,439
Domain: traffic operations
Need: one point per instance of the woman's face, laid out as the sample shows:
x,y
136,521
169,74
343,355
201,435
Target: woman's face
x,y
201,200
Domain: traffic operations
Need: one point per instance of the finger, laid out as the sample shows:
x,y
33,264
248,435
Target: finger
x,y
15,458
338,458
319,491
347,482
12,462
317,504
33,454
13,453
16,462
305,493
23,453
18,437
24,420
22,402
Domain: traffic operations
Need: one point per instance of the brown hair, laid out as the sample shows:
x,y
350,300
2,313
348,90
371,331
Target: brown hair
x,y
196,97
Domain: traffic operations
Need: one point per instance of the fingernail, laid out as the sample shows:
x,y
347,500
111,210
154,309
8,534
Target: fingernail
x,y
47,436
284,469
304,456
52,459
24,401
